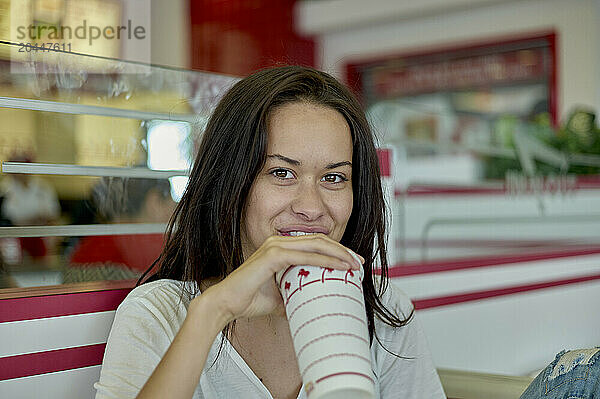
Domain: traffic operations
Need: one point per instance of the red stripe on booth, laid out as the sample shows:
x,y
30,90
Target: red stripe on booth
x,y
437,302
50,361
16,309
437,266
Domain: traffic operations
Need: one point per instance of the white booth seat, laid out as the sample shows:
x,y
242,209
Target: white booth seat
x,y
53,341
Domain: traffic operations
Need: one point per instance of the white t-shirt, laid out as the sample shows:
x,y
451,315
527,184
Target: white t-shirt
x,y
148,319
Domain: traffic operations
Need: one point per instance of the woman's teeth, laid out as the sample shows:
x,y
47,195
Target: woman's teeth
x,y
299,233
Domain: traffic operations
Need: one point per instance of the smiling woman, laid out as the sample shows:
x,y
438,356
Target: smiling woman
x,y
310,187
286,174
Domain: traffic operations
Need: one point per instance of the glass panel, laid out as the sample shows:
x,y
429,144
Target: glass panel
x,y
95,154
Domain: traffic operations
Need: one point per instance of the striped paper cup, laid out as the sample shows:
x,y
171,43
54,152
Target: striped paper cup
x,y
326,312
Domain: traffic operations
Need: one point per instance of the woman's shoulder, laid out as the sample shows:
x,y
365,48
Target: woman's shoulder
x,y
161,294
393,298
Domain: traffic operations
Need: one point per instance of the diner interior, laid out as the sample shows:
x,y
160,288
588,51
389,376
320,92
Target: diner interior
x,y
488,142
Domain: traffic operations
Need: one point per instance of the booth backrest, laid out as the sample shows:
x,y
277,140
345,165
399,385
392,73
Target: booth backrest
x,y
52,345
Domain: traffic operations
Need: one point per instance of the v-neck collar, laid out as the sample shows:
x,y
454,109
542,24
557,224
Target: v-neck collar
x,y
241,363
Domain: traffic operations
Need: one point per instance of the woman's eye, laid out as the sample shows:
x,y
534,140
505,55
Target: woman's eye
x,y
334,178
282,174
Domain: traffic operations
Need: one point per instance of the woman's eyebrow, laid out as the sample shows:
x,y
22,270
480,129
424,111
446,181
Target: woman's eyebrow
x,y
285,159
338,164
298,163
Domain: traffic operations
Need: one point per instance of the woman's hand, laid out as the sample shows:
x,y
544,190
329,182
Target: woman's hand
x,y
251,291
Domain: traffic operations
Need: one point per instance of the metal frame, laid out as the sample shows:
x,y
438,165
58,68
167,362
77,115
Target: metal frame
x,y
79,230
78,170
80,109
434,222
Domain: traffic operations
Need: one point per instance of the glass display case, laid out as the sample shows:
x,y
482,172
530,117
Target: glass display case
x,y
95,154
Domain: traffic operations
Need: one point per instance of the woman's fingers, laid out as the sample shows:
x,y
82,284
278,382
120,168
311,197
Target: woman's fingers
x,y
295,257
250,289
316,243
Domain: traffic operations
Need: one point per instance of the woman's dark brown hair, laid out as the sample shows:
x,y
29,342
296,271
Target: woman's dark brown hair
x,y
203,238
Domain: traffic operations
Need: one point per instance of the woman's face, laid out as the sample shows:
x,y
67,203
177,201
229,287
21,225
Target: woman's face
x,y
306,184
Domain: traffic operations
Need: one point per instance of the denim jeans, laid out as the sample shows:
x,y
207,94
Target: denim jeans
x,y
572,375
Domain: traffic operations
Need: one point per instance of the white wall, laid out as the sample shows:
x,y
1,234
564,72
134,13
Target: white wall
x,y
171,31
168,32
513,334
345,34
596,17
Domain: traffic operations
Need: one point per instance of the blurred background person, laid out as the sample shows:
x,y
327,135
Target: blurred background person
x,y
126,256
29,201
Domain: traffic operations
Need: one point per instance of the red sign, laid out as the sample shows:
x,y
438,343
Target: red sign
x,y
385,161
475,71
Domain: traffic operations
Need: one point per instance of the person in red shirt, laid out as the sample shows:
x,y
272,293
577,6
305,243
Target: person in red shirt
x,y
114,257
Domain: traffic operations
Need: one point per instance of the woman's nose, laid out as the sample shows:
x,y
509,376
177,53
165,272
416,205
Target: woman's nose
x,y
308,202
